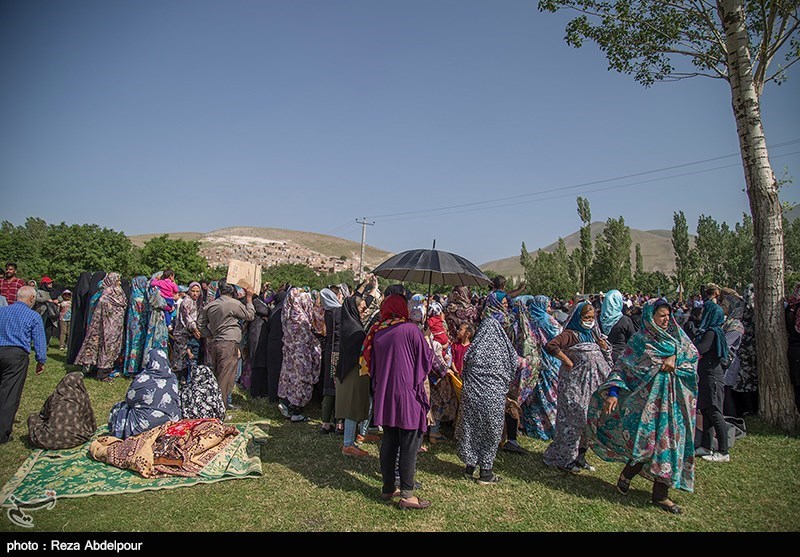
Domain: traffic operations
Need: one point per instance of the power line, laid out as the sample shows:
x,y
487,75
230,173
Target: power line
x,y
484,206
585,184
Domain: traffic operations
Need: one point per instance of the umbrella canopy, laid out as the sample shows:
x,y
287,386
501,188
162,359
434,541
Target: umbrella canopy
x,y
433,267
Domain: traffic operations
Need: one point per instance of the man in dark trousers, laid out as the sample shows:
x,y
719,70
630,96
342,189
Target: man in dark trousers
x,y
20,327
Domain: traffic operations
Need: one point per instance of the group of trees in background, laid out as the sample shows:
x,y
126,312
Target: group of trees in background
x,y
718,253
63,252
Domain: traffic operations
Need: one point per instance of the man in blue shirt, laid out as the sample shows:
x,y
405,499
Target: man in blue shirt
x,y
20,327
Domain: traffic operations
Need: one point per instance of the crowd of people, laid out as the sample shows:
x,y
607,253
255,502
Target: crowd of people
x,y
634,378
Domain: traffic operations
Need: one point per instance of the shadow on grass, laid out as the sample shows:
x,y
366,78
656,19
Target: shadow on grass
x,y
290,445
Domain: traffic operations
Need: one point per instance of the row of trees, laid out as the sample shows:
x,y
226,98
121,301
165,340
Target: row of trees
x,y
718,253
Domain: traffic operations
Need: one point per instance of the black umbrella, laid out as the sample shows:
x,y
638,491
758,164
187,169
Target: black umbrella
x,y
433,267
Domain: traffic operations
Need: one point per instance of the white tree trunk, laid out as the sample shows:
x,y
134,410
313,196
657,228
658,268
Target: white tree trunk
x,y
776,402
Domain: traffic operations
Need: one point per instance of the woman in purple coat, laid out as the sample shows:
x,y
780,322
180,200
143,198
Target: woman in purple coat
x,y
398,360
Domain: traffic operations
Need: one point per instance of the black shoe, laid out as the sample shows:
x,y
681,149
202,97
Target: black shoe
x,y
666,506
513,447
493,479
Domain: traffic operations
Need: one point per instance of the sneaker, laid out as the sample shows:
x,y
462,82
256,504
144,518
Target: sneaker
x,y
700,451
572,468
352,450
297,418
585,465
494,479
717,457
284,410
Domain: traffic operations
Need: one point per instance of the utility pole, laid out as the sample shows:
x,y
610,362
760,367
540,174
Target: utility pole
x,y
364,225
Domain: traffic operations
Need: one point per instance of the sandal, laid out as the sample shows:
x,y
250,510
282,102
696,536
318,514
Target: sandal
x,y
390,496
422,449
670,508
106,380
408,504
436,438
623,485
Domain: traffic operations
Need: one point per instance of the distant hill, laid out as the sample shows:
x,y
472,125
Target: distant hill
x,y
657,253
275,245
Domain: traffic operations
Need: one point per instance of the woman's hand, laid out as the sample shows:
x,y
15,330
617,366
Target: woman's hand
x,y
609,405
669,364
602,343
567,364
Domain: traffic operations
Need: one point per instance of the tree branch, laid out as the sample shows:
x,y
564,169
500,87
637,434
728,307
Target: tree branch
x,y
710,22
773,76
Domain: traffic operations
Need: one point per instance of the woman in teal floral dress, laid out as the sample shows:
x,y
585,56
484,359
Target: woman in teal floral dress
x,y
644,413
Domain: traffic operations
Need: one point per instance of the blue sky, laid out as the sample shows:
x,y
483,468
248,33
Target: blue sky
x,y
166,116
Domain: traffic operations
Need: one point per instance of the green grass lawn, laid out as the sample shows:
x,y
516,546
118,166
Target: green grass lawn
x,y
308,485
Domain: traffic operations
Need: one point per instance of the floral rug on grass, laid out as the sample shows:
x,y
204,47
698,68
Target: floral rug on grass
x,y
49,475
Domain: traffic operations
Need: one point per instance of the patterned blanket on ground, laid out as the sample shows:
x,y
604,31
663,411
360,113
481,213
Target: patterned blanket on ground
x,y
73,473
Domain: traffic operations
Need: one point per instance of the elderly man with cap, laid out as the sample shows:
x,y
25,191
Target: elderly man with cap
x,y
20,327
46,305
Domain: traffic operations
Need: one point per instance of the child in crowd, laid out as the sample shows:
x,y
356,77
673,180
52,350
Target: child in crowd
x,y
463,339
166,285
64,318
437,325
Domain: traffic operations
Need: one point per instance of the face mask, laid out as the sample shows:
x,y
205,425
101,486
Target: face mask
x,y
587,324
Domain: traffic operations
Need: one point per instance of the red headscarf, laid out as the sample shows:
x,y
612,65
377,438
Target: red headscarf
x,y
394,310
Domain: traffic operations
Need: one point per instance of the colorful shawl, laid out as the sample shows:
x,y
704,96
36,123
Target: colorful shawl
x,y
528,348
93,301
416,308
157,337
394,310
712,320
103,342
539,318
611,311
151,401
138,317
654,421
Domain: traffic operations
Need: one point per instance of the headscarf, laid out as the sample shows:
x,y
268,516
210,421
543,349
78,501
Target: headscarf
x,y
733,305
537,309
574,323
195,283
611,310
112,291
213,291
351,338
397,289
459,310
435,308
712,320
494,309
416,308
345,290
394,310
329,299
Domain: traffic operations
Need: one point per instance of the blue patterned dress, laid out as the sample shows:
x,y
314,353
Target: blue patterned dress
x,y
138,316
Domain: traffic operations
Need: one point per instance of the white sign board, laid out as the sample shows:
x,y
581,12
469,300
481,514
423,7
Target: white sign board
x,y
244,274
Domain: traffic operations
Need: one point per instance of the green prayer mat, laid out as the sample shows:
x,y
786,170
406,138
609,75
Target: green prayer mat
x,y
73,473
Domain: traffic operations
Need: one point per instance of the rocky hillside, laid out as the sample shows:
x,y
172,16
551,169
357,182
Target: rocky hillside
x,y
274,246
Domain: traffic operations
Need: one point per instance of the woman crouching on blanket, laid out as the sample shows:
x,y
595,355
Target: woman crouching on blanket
x,y
644,414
